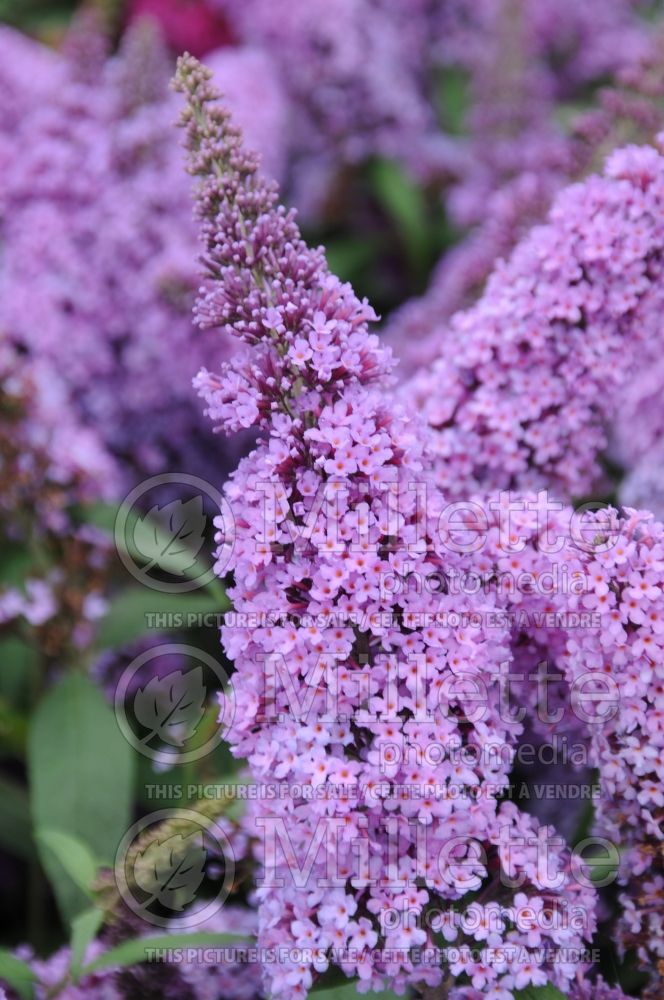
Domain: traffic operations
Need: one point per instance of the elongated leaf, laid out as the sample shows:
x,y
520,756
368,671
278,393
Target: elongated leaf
x,y
74,856
171,537
83,930
18,666
81,779
13,729
138,611
17,974
137,951
453,100
172,707
406,205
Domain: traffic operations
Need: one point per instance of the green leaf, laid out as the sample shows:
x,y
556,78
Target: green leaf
x,y
137,951
453,100
16,565
129,616
13,729
99,515
406,205
172,706
171,537
84,929
81,779
17,974
19,666
15,825
348,256
74,856
547,992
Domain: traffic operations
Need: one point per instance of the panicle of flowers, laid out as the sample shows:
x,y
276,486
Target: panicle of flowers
x,y
48,466
248,78
324,507
28,74
636,437
525,381
616,564
414,329
576,43
519,154
357,74
96,279
522,60
643,484
622,654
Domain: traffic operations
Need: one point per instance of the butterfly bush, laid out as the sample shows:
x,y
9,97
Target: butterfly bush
x,y
526,380
337,472
636,440
28,74
519,154
357,75
630,749
621,575
522,59
96,279
48,466
643,485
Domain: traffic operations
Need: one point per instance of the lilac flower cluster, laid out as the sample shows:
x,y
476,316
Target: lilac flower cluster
x,y
326,504
48,464
526,380
519,155
357,76
636,441
626,587
643,485
362,79
97,277
522,60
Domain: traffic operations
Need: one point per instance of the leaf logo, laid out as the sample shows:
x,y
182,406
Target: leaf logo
x,y
171,707
170,871
170,537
